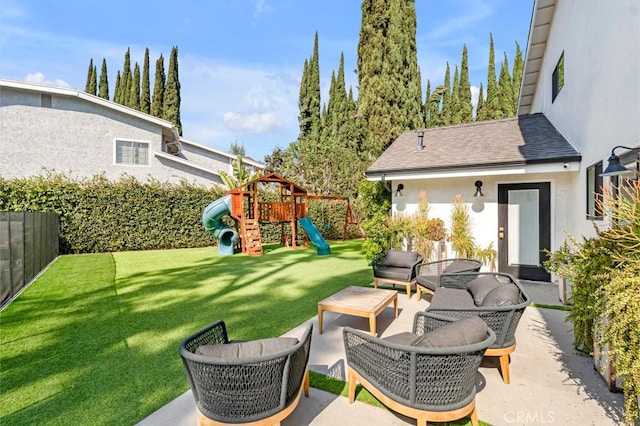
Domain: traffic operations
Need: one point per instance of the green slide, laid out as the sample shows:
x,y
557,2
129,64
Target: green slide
x,y
211,218
322,247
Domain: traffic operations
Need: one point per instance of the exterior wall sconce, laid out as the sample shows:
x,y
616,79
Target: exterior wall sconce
x,y
614,168
399,190
478,189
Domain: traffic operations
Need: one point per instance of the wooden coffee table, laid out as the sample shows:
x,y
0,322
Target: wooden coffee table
x,y
359,301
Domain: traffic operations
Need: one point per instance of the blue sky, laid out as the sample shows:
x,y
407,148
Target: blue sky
x,y
240,61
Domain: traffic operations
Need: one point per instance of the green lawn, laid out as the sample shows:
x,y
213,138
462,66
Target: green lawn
x,y
94,340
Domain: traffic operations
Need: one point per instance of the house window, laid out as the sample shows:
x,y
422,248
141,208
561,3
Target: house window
x,y
133,153
594,191
557,79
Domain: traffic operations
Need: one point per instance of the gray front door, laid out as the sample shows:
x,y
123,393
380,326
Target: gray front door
x,y
524,222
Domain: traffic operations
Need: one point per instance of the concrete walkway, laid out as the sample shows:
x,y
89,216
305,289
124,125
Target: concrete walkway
x,y
551,383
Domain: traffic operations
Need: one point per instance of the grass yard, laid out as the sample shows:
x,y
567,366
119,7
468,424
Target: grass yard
x,y
94,340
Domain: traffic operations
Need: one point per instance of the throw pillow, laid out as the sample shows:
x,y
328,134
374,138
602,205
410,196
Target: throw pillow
x,y
401,259
463,332
250,349
505,295
479,287
458,266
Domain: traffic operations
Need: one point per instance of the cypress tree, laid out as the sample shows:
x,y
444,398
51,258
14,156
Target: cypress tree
x,y
103,90
434,106
390,98
505,91
90,86
426,104
171,104
117,93
309,144
480,106
304,117
309,98
145,96
125,80
314,89
516,75
89,72
464,90
492,103
158,88
456,113
134,92
445,113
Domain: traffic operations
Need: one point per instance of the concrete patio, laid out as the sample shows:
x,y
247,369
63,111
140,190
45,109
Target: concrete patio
x,y
551,382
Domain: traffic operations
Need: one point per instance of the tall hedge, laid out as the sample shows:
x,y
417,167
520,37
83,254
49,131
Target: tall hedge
x,y
98,215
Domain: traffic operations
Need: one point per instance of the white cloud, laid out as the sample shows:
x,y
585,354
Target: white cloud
x,y
252,123
225,103
39,78
260,8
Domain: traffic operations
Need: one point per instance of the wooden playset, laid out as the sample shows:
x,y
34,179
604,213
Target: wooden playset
x,y
249,211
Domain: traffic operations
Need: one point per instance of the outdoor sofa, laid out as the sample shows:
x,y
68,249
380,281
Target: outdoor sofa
x,y
428,273
429,374
396,267
255,382
495,297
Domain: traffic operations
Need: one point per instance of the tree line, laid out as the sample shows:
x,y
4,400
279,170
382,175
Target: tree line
x,y
133,89
339,139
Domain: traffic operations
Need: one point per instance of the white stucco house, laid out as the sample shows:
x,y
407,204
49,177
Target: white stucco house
x,y
70,131
580,99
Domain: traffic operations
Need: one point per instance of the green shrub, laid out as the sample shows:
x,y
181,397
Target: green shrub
x,y
99,215
606,288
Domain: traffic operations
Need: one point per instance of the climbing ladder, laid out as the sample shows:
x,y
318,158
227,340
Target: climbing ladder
x,y
251,240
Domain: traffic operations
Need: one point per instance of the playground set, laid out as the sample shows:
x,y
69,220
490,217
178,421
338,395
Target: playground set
x,y
244,206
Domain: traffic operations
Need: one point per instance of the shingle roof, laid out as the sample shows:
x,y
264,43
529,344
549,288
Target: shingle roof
x,y
511,141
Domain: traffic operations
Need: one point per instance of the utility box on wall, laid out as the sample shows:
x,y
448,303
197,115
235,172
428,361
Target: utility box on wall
x,y
564,290
604,364
28,243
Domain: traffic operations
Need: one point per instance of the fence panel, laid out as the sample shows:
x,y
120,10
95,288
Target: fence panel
x,y
28,243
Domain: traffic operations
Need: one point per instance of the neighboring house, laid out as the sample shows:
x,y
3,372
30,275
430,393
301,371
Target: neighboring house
x,y
70,131
580,98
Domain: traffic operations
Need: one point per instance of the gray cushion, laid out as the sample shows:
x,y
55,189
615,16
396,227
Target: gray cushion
x,y
479,287
505,295
428,281
463,332
393,273
458,266
406,338
445,297
401,259
248,349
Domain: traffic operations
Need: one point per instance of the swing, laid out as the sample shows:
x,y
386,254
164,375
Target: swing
x,y
326,226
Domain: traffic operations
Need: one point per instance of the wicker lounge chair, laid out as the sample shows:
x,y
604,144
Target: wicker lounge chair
x,y
462,295
396,267
428,273
418,374
257,382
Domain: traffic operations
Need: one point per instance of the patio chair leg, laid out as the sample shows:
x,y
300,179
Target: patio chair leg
x,y
352,386
305,383
504,367
474,416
